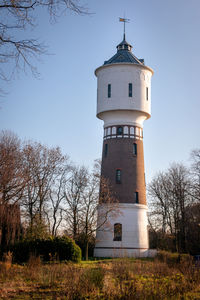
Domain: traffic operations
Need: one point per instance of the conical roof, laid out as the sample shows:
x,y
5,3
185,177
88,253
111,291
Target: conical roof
x,y
124,55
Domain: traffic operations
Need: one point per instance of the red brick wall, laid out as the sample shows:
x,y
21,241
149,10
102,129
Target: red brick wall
x,y
120,156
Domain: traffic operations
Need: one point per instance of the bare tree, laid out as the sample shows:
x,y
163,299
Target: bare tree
x,y
74,190
170,194
41,166
12,186
57,196
11,176
193,228
97,193
16,17
195,174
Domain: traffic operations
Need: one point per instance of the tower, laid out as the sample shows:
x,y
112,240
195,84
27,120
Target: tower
x,y
124,103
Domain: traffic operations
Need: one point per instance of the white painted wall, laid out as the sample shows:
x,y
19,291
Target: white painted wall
x,y
133,218
123,117
119,76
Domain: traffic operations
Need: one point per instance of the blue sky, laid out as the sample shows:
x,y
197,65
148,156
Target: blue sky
x,y
59,109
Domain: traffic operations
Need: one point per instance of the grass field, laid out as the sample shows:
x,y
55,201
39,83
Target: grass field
x,y
102,279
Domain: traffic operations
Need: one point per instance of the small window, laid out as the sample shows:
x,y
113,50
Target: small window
x,y
119,130
105,150
130,88
134,149
147,93
109,90
136,197
118,176
117,232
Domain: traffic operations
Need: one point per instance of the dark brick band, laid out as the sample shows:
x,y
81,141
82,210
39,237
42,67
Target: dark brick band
x,y
119,154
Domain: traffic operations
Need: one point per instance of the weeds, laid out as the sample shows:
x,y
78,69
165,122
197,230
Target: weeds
x,y
113,279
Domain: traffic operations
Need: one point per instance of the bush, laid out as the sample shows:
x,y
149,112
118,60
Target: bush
x,y
172,258
62,248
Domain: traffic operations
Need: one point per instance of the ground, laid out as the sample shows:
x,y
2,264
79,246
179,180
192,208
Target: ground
x,y
100,279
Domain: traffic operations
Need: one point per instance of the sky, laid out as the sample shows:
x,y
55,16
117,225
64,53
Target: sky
x,y
59,108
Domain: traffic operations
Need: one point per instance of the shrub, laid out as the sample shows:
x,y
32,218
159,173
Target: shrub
x,y
63,248
172,258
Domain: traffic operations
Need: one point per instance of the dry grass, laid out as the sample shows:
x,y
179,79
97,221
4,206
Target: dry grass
x,y
112,279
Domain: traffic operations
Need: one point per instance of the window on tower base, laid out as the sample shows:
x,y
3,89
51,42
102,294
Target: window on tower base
x,y
117,232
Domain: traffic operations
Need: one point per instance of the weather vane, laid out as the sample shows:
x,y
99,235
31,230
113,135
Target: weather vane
x,y
125,21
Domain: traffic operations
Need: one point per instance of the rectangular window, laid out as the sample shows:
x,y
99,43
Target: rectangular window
x,y
105,150
136,197
118,176
130,89
109,90
134,149
147,93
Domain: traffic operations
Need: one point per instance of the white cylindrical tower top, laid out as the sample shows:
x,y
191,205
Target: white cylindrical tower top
x,y
124,88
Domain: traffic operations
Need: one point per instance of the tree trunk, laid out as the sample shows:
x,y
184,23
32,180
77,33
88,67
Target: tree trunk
x,y
86,249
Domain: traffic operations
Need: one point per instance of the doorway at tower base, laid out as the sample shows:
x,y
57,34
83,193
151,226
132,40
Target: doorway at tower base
x,y
124,252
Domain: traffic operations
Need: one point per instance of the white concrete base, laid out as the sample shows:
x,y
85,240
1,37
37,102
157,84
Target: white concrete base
x,y
100,252
134,243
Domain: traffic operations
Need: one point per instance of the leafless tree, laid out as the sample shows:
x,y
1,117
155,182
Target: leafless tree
x,y
11,176
41,166
193,228
16,17
195,174
170,194
74,190
96,192
57,196
12,186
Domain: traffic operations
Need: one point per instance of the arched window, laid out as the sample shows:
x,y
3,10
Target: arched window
x,y
118,176
119,130
117,232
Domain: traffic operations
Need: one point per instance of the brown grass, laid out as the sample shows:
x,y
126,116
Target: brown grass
x,y
111,279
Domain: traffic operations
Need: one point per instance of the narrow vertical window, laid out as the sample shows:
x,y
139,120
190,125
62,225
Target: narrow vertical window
x,y
109,90
117,232
136,197
119,130
105,150
147,93
130,89
134,149
118,176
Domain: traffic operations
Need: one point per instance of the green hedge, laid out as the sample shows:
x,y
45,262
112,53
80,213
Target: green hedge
x,y
62,248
